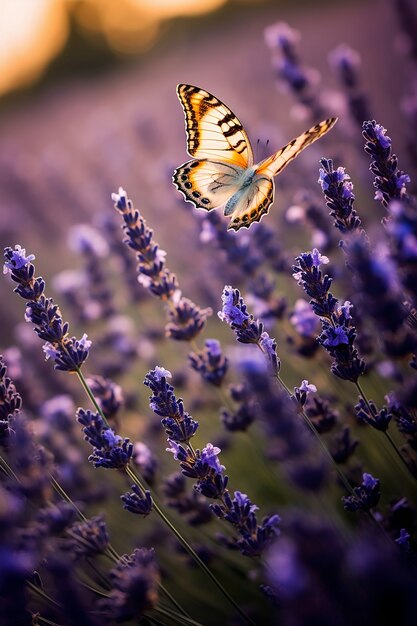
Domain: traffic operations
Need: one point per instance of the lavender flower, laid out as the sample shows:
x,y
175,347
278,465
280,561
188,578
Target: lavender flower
x,y
134,590
246,328
338,333
381,299
390,182
138,502
193,505
205,468
89,243
244,415
347,63
186,319
282,41
301,392
10,404
338,191
210,362
365,497
110,451
68,353
89,537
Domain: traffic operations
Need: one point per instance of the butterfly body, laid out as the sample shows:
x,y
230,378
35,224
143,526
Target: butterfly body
x,y
222,171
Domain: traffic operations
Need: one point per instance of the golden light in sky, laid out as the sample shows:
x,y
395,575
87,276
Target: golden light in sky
x,y
33,31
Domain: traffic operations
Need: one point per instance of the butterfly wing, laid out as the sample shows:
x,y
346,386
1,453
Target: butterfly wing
x,y
208,184
254,198
276,163
250,202
213,131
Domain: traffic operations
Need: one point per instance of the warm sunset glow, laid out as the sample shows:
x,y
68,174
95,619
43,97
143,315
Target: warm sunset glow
x,y
170,8
31,32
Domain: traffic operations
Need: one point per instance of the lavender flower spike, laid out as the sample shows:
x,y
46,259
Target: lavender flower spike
x,y
246,328
390,182
68,353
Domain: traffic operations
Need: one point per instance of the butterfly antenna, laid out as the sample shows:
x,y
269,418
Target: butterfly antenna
x,y
259,148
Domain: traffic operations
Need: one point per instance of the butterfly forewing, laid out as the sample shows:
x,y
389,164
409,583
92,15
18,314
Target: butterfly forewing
x,y
276,163
213,131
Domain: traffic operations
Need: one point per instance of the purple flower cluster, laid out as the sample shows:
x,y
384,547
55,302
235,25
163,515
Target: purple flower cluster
x,y
246,328
338,191
390,182
338,333
68,353
186,319
365,497
210,362
110,451
205,468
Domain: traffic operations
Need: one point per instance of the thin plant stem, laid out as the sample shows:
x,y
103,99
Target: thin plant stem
x,y
189,549
386,433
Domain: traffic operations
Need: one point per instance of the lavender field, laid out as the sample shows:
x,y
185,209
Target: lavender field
x,y
200,426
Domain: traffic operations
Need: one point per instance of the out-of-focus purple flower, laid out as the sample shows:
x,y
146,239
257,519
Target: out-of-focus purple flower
x,y
90,537
186,320
193,505
304,319
108,394
10,404
135,581
365,497
244,415
342,446
377,285
282,41
368,412
210,362
347,64
144,458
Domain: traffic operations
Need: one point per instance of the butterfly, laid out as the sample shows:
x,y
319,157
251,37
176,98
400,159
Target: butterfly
x,y
222,171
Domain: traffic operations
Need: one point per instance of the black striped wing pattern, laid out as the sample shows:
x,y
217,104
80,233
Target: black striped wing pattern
x,y
222,170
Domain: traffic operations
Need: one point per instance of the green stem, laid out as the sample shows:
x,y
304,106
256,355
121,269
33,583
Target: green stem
x,y
190,550
91,396
323,446
185,621
386,433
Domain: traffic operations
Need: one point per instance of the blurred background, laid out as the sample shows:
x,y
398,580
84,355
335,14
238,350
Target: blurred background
x,y
88,102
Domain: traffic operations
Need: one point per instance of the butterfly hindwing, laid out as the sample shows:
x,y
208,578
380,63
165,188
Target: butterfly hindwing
x,y
250,203
276,163
213,131
207,184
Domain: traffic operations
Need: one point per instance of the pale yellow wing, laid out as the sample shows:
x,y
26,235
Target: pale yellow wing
x,y
208,184
276,163
213,131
